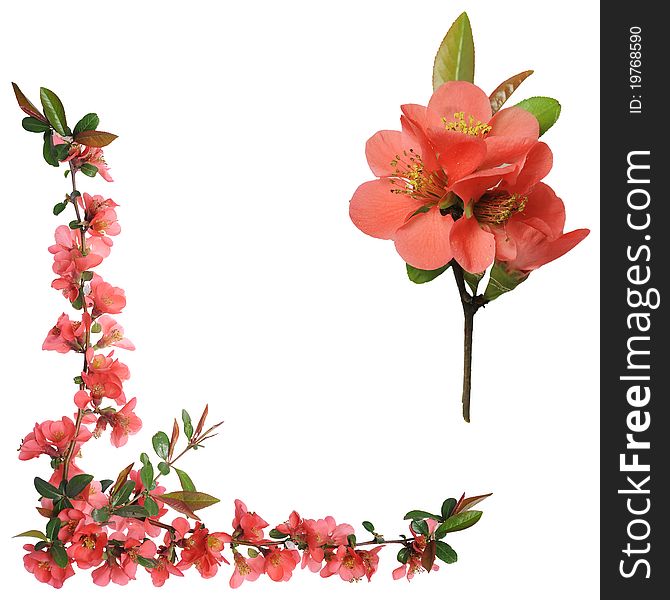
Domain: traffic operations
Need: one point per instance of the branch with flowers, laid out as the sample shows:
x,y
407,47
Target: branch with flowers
x,y
113,526
460,186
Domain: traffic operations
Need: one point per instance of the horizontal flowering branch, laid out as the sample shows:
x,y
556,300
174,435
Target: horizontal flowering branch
x,y
114,526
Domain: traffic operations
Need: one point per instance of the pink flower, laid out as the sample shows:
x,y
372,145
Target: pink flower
x,y
162,571
248,525
88,544
370,560
52,438
323,532
68,255
110,570
80,155
101,385
70,519
105,298
123,422
67,335
249,569
279,564
346,563
104,223
42,566
203,551
133,549
112,335
413,565
450,147
68,285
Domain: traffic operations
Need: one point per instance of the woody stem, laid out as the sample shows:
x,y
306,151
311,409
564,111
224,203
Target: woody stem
x,y
471,304
80,413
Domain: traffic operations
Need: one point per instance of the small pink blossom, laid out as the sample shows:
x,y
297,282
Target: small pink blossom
x,y
280,564
249,569
67,335
51,438
88,544
105,298
42,566
80,155
123,422
112,334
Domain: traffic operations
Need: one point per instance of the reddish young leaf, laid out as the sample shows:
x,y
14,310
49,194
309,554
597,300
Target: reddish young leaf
x,y
428,556
26,105
201,422
121,479
173,439
467,503
95,139
188,502
501,94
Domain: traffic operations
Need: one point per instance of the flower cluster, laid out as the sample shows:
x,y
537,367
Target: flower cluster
x,y
111,527
461,185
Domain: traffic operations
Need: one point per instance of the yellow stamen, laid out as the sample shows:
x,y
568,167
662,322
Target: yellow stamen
x,y
497,208
469,126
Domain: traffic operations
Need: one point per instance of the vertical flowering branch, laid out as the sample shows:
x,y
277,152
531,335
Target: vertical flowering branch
x,y
113,526
460,186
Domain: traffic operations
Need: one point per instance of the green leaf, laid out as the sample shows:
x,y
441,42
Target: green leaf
x,y
545,110
59,555
458,522
35,125
95,327
77,484
151,506
122,496
188,502
147,563
89,170
74,224
185,480
502,93
78,302
54,111
368,526
252,553
473,279
53,527
275,534
32,533
455,59
87,123
134,511
100,515
61,151
447,507
59,208
420,514
147,476
419,527
161,444
351,540
445,552
502,281
188,426
26,105
164,468
421,276
144,458
87,276
403,555
48,150
45,489
105,483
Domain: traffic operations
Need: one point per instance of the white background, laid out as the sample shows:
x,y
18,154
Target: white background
x,y
242,130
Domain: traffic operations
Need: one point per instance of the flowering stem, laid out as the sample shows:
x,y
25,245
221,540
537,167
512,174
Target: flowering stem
x,y
471,304
80,412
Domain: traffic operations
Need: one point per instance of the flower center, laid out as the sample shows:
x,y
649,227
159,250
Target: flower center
x,y
412,179
469,126
88,542
497,208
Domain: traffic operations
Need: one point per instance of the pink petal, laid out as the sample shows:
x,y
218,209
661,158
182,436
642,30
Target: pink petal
x,y
381,150
424,241
474,185
535,249
537,165
514,122
461,96
474,248
375,210
544,204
